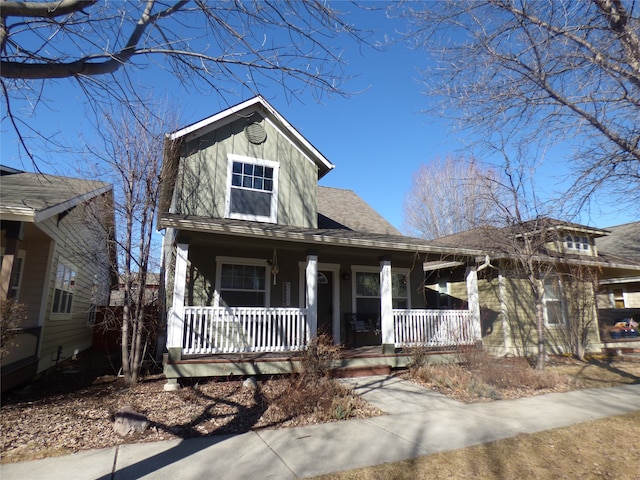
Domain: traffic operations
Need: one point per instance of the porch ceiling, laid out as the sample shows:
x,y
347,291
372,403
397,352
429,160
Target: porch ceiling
x,y
334,237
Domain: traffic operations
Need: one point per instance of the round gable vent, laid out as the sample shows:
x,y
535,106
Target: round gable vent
x,y
255,133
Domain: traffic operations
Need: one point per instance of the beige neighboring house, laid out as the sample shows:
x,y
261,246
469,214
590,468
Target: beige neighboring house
x,y
570,265
151,290
619,296
57,258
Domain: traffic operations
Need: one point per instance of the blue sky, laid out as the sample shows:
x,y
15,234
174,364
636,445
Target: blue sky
x,y
377,139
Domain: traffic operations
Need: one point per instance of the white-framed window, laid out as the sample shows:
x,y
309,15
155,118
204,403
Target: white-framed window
x,y
252,192
241,282
367,290
577,243
617,298
555,310
16,273
64,287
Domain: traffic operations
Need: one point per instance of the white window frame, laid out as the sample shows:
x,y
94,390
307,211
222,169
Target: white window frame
x,y
355,269
254,262
577,243
72,276
273,217
548,298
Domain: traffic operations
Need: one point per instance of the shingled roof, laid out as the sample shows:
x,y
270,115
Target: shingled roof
x,y
623,241
345,210
33,197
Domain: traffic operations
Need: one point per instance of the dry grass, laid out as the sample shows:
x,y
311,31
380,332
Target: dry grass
x,y
603,449
479,377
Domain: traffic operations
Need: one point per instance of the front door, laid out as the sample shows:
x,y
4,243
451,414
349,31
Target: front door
x,y
325,303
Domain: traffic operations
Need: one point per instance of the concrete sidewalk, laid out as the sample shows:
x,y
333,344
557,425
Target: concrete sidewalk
x,y
418,422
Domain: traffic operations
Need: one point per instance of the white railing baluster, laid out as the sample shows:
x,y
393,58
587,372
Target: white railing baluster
x,y
209,330
437,328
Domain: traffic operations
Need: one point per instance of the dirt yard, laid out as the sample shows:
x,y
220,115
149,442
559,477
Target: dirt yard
x,y
72,408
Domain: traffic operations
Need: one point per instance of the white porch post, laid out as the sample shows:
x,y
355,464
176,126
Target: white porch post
x,y
175,323
386,306
312,296
474,302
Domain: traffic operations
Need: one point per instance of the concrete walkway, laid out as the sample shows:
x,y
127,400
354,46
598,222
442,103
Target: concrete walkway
x,y
418,422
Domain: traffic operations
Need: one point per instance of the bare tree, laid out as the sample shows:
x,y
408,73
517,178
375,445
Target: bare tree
x,y
450,196
542,71
578,294
214,46
130,156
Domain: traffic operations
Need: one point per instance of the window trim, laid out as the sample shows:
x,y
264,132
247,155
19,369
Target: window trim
x,y
254,262
273,217
73,271
546,297
355,269
577,243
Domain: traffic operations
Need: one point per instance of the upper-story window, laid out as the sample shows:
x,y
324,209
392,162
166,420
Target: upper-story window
x,y
253,189
577,243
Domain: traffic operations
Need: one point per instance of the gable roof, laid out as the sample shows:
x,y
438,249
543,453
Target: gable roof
x,y
343,209
623,240
244,110
34,197
498,241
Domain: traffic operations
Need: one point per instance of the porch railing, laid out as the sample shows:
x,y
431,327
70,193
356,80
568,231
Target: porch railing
x,y
433,328
243,329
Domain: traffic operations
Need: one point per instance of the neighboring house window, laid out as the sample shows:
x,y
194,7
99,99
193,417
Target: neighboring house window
x,y
618,298
242,284
16,275
577,243
253,189
368,292
65,284
554,306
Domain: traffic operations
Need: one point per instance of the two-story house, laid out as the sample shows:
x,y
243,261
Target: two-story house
x,y
259,258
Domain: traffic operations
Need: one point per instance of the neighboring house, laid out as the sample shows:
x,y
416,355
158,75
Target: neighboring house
x,y
259,258
151,290
619,295
57,261
567,266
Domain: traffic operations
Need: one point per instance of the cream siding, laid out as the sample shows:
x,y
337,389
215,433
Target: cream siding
x,y
82,245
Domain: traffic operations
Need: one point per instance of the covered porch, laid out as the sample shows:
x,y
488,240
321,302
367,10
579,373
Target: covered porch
x,y
202,337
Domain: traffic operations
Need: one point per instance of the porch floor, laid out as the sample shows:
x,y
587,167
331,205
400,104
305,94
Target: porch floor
x,y
363,360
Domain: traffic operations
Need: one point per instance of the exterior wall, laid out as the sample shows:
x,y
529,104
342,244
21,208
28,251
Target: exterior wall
x,y
82,245
491,315
201,187
518,312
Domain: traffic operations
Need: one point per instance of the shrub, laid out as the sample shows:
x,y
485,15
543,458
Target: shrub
x,y
11,312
